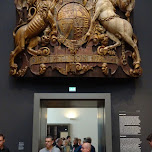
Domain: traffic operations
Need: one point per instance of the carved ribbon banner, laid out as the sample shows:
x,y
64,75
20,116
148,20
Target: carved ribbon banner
x,y
75,38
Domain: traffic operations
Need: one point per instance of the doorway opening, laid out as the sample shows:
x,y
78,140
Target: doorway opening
x,y
77,122
66,101
58,130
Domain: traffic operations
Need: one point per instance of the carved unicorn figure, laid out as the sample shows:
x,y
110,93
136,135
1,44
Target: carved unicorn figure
x,y
117,28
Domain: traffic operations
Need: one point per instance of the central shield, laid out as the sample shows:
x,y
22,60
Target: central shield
x,y
73,22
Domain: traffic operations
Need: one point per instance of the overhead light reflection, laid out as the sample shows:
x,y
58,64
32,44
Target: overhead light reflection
x,y
71,114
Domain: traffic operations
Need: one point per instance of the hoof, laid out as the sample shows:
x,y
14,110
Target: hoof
x,y
12,53
137,71
136,66
102,50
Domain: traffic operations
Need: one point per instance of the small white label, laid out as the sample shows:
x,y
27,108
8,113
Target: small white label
x,y
21,146
72,89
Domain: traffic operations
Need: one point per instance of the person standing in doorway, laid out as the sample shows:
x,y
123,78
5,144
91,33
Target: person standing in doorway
x,y
69,142
49,145
2,141
79,142
89,140
58,145
76,147
66,147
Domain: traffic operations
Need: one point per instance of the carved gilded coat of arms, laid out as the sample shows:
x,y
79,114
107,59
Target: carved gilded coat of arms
x,y
75,38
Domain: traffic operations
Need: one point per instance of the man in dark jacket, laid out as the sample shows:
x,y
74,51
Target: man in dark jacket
x,y
2,141
76,147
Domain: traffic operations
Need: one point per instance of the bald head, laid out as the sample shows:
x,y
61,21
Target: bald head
x,y
86,147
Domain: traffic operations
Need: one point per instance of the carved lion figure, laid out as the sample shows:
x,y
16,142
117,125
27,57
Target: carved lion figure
x,y
30,31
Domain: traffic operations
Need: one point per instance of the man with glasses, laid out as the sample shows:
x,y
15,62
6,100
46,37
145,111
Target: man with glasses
x,y
2,141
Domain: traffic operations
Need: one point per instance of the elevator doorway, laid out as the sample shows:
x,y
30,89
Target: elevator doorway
x,y
73,100
80,122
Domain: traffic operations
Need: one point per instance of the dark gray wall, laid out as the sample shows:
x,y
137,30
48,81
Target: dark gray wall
x,y
16,96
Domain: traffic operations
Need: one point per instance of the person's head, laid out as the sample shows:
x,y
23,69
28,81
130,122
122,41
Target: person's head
x,y
84,139
49,142
87,140
2,140
149,138
86,147
79,141
75,141
68,138
63,138
66,143
59,142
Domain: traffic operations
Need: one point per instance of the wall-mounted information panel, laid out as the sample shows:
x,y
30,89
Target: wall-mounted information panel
x,y
130,131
